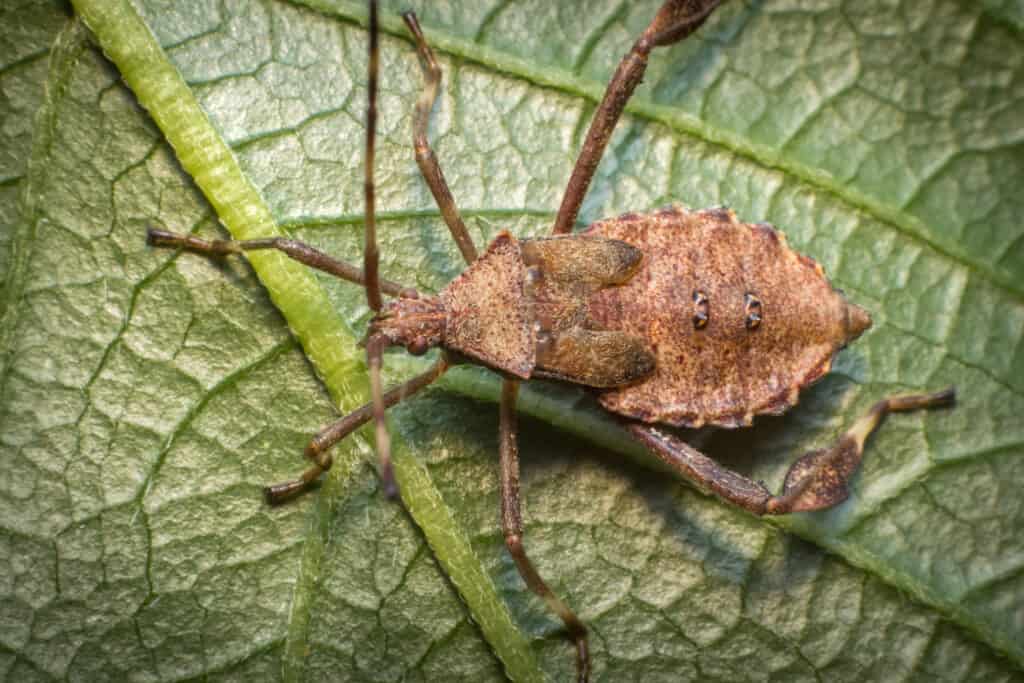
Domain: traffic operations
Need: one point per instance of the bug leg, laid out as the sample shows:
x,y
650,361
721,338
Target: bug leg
x,y
300,251
816,481
674,21
374,357
425,158
317,449
512,526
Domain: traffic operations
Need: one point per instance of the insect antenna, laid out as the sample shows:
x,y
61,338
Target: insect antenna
x,y
371,260
371,257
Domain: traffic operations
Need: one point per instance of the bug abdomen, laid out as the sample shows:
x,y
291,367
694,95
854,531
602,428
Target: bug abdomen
x,y
738,321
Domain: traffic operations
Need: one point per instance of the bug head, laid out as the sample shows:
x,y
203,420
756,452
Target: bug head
x,y
417,324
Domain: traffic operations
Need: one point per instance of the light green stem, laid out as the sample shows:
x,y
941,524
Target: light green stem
x,y
159,87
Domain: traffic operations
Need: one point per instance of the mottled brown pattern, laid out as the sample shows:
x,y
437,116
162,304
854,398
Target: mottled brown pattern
x,y
489,317
722,373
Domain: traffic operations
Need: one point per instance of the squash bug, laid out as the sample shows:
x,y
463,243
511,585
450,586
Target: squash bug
x,y
672,317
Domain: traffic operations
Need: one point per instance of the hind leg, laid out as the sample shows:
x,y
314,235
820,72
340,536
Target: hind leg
x,y
816,481
674,21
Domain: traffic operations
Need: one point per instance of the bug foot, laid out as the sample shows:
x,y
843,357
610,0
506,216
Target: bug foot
x,y
819,479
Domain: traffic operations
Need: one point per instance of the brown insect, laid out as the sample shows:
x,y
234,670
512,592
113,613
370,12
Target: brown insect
x,y
678,317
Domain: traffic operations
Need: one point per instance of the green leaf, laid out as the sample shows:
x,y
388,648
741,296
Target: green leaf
x,y
149,395
28,30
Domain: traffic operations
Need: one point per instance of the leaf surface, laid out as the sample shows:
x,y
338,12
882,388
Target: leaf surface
x,y
149,394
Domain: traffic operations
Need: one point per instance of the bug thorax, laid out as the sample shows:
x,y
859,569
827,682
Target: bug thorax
x,y
416,324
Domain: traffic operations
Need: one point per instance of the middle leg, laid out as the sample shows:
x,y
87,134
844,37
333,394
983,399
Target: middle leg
x,y
512,526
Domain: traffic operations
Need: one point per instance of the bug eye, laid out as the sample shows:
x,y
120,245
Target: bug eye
x,y
417,346
701,310
754,312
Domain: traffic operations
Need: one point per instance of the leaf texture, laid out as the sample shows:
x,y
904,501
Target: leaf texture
x,y
147,396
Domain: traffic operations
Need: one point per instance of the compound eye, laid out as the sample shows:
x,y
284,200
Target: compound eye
x,y
701,310
418,346
754,312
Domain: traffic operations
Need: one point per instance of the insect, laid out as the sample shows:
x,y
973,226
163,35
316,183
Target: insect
x,y
672,317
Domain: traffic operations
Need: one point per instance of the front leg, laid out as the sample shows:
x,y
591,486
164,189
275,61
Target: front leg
x,y
425,158
816,481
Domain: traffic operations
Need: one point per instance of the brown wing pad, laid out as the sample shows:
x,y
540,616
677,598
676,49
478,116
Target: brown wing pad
x,y
587,262
563,272
593,358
